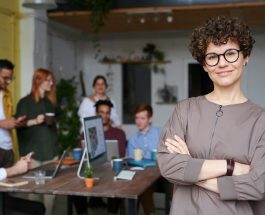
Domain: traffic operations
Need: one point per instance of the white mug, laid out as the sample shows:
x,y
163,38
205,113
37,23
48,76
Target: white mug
x,y
138,154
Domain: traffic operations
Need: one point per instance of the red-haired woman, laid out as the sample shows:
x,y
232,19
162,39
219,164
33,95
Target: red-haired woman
x,y
36,135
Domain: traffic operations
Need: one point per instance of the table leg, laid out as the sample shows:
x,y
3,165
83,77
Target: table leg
x,y
132,207
69,205
2,208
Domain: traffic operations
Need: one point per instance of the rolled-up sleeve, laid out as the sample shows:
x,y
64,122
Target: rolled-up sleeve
x,y
250,186
3,173
177,168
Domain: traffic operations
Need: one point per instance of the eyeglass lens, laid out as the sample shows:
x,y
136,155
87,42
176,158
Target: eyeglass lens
x,y
8,78
230,55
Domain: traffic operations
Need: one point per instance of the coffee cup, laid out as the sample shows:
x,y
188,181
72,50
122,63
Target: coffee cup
x,y
117,165
138,154
49,118
153,154
77,153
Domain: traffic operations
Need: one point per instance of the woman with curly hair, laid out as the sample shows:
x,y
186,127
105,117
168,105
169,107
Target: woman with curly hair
x,y
213,146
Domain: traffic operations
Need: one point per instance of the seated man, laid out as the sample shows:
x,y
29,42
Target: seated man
x,y
147,136
17,204
103,109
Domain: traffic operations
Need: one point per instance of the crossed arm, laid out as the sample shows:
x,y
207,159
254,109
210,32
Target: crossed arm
x,y
211,169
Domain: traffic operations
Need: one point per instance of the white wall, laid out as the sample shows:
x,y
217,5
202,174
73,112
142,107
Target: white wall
x,y
65,52
255,71
174,44
27,37
72,52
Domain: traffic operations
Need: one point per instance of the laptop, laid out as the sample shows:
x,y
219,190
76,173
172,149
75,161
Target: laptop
x,y
50,174
112,149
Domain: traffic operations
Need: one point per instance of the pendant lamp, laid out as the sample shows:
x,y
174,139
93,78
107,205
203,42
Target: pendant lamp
x,y
40,4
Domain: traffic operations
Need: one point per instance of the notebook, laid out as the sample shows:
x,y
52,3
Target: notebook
x,y
12,183
142,163
49,174
125,175
112,149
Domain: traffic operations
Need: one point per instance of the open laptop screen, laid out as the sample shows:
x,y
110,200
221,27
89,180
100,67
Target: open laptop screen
x,y
94,136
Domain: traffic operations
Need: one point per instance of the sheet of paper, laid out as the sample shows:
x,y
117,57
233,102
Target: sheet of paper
x,y
125,175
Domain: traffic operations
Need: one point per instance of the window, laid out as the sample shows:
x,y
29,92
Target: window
x,y
136,89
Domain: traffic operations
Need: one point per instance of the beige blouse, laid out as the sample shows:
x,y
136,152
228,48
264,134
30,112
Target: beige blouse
x,y
212,131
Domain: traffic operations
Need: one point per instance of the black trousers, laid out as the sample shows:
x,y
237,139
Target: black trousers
x,y
6,158
22,205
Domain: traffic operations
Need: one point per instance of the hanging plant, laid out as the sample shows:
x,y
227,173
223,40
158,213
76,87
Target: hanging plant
x,y
99,11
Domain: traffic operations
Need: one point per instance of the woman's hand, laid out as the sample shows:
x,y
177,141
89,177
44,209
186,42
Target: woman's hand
x,y
177,145
40,119
241,169
37,121
210,184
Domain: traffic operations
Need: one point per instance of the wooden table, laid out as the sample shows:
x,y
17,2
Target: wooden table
x,y
67,183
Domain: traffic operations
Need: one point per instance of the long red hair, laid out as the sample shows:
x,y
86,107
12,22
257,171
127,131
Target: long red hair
x,y
39,76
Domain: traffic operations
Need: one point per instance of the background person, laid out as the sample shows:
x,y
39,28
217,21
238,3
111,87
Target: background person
x,y
213,146
103,109
17,204
7,122
87,106
146,138
37,135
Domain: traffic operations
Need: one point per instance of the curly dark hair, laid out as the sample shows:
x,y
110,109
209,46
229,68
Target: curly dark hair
x,y
218,31
103,102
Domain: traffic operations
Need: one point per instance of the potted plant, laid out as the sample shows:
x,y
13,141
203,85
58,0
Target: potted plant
x,y
68,121
155,57
89,180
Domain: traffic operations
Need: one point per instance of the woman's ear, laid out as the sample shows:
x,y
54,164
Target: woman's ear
x,y
246,61
205,68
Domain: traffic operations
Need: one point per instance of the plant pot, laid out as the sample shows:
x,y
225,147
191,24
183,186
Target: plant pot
x,y
89,182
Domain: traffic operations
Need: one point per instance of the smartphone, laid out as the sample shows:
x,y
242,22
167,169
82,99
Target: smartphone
x,y
29,155
21,119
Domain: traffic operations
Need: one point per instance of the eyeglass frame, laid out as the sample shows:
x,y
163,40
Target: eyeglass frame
x,y
8,78
218,55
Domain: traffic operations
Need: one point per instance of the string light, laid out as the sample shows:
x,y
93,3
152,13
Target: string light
x,y
156,17
169,19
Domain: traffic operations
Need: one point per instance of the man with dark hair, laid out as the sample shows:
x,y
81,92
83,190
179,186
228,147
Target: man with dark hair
x,y
7,122
103,109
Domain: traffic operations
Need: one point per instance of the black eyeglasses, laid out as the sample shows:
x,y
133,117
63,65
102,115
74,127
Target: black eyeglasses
x,y
8,78
230,55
